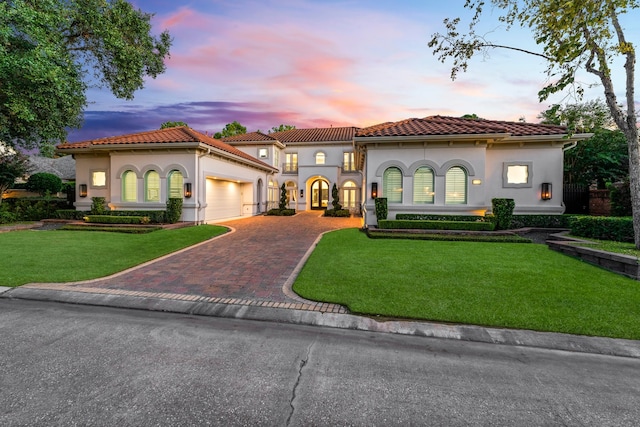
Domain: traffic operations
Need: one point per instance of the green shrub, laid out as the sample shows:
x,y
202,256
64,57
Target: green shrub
x,y
283,197
621,199
44,183
155,217
281,212
502,212
436,225
619,229
69,214
345,213
34,209
111,219
7,217
451,237
540,221
98,206
433,217
382,210
335,194
174,210
130,230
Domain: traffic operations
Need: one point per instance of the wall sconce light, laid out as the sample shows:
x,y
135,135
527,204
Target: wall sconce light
x,y
374,190
476,182
301,193
187,190
545,192
83,190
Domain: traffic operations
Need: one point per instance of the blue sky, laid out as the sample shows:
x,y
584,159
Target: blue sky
x,y
315,63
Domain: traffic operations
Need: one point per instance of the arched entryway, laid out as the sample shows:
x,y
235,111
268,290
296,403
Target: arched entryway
x,y
319,194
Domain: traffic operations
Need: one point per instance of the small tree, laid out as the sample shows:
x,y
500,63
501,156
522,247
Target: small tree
x,y
43,183
283,197
167,125
231,129
335,194
13,165
281,128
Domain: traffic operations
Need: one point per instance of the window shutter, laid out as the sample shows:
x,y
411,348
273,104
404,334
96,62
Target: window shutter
x,y
423,190
456,186
392,185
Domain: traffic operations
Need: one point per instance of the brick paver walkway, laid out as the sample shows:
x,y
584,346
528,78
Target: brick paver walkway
x,y
248,266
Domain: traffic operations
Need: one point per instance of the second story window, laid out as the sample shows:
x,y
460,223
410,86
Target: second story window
x,y
291,162
320,158
348,163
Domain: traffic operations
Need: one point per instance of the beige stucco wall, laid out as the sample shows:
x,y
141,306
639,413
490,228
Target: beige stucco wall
x,y
484,164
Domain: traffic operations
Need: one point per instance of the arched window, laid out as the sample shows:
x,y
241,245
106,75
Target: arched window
x,y
129,186
392,185
175,181
320,158
152,187
423,190
349,195
456,186
273,195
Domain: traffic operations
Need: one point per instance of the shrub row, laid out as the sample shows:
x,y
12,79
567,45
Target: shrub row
x,y
540,221
33,209
345,213
281,212
436,225
112,219
431,217
619,229
69,214
130,230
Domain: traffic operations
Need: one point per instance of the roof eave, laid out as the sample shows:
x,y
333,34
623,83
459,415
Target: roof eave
x,y
222,153
436,138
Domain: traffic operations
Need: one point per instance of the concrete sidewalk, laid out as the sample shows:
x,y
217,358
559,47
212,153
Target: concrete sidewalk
x,y
248,273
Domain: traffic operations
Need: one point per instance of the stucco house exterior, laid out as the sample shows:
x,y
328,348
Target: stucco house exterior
x,y
442,165
451,165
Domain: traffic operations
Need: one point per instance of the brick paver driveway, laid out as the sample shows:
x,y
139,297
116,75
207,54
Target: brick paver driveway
x,y
248,266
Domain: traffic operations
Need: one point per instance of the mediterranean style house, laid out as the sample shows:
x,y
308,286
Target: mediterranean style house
x,y
442,165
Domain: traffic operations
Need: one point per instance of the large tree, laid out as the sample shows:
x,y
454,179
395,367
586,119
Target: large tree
x,y
231,129
281,128
572,35
13,165
51,51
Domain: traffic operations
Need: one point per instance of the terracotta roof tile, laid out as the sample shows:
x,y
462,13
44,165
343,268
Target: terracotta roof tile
x,y
181,134
442,125
330,134
250,137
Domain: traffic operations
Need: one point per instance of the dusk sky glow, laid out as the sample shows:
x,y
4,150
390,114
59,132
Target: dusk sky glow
x,y
317,63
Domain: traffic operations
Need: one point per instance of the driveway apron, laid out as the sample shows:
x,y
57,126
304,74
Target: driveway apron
x,y
249,265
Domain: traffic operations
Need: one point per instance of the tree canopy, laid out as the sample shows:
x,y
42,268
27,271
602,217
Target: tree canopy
x,y
13,165
167,125
573,36
231,129
281,128
51,51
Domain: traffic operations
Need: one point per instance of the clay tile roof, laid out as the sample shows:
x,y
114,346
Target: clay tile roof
x,y
316,135
443,125
181,134
250,137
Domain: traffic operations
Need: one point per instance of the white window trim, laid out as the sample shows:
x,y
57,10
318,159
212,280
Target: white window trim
x,y
106,179
505,178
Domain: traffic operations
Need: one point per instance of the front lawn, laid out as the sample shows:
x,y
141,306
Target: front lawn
x,y
510,285
65,256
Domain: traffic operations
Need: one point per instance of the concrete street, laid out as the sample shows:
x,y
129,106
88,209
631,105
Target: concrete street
x,y
66,364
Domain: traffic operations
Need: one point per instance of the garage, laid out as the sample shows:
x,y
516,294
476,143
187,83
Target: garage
x,y
224,199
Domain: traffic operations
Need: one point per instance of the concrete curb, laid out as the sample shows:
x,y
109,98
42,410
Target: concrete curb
x,y
546,340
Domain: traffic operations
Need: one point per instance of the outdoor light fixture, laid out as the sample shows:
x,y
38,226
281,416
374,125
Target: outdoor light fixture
x,y
374,190
301,193
476,182
83,190
545,192
187,190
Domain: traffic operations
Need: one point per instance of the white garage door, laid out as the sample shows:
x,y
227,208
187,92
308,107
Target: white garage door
x,y
223,200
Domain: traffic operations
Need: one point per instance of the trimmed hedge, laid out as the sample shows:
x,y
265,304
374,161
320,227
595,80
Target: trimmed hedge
x,y
451,237
130,230
344,213
432,217
382,209
155,217
619,229
69,214
541,221
281,212
111,219
435,225
502,212
174,210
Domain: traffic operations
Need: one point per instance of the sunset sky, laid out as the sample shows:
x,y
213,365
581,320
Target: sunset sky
x,y
317,63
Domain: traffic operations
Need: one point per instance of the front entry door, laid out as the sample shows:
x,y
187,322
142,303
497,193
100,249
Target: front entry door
x,y
319,194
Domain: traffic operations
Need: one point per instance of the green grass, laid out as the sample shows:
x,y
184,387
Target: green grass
x,y
610,246
508,285
64,256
